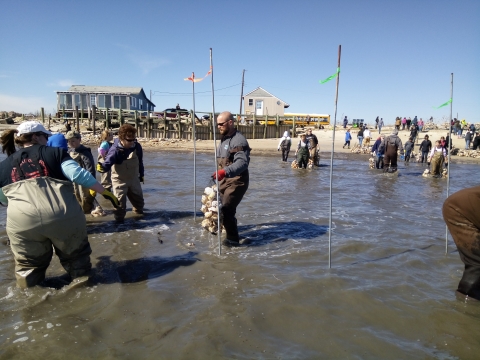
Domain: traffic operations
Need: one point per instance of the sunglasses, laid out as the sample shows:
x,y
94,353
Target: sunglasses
x,y
42,133
223,124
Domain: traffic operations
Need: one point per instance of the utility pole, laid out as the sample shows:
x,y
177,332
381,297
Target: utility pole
x,y
241,95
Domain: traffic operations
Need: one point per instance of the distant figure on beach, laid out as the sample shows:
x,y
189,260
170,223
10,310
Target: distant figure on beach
x,y
409,122
345,122
398,122
460,213
404,123
285,144
348,138
380,125
366,136
360,136
420,125
302,152
392,145
414,131
177,107
233,158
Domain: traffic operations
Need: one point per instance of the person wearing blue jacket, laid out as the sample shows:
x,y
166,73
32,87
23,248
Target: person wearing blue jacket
x,y
348,138
379,150
125,159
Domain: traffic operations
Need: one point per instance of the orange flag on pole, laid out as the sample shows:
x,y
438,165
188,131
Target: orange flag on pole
x,y
193,79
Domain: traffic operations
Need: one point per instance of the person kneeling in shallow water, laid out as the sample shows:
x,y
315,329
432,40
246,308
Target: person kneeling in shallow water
x,y
125,159
437,157
43,214
460,212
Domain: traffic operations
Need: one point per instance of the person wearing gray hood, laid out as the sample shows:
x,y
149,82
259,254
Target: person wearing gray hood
x,y
392,144
285,144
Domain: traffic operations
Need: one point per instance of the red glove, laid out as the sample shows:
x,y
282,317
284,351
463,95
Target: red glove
x,y
221,175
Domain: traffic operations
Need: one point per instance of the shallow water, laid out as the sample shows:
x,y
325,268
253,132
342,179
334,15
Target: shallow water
x,y
389,293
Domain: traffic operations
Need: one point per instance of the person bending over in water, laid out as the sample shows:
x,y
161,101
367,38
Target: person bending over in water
x,y
460,213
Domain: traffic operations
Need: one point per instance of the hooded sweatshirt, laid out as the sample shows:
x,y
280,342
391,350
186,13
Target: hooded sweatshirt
x,y
285,141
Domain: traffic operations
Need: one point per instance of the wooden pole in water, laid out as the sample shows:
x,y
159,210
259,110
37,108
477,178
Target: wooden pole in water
x,y
331,163
214,125
448,166
77,126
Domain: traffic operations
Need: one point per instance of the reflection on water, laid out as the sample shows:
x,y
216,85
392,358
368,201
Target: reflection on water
x,y
389,294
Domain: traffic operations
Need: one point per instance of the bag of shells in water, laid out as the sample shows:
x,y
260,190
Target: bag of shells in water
x,y
210,207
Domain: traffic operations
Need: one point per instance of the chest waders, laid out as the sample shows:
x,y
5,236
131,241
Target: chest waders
x,y
302,157
232,191
437,162
43,212
126,184
82,193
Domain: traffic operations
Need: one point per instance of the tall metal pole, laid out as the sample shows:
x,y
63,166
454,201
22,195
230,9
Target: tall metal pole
x,y
241,94
448,167
214,125
194,151
331,162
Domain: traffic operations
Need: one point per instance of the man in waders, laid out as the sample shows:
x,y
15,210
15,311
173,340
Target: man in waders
x,y
302,152
460,212
125,159
43,214
392,144
233,157
312,143
285,144
437,157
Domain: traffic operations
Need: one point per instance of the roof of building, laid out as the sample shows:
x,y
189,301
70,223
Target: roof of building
x,y
261,92
124,90
105,89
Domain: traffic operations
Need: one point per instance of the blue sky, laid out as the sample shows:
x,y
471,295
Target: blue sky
x,y
397,56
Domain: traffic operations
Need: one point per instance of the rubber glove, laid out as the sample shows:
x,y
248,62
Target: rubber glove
x,y
221,175
141,179
113,199
100,168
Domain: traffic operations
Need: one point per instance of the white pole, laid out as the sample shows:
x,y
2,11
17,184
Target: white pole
x,y
448,166
194,152
214,126
331,163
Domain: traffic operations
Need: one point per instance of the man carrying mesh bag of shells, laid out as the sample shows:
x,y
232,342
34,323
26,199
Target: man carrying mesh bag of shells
x,y
233,157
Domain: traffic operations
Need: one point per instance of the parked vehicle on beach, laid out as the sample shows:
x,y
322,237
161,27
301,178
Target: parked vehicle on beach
x,y
301,120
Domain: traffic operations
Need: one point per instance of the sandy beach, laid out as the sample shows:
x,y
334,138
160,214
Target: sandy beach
x,y
266,147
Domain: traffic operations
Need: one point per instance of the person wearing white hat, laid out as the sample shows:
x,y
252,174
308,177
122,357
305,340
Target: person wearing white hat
x,y
43,214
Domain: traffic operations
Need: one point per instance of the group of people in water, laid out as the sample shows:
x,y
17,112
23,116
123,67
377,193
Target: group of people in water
x,y
306,149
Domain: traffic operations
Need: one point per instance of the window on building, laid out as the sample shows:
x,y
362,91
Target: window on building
x,y
77,100
84,102
101,101
61,100
93,100
250,102
140,104
108,101
123,102
116,102
68,101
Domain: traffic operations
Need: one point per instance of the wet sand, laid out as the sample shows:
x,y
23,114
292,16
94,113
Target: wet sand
x,y
390,293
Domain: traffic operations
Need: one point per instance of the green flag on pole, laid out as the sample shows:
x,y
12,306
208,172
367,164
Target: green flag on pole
x,y
444,104
330,77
